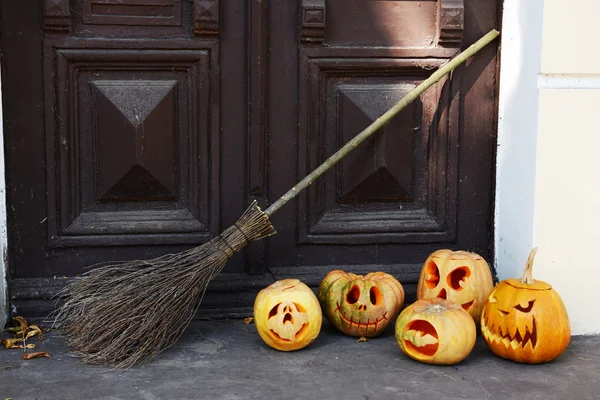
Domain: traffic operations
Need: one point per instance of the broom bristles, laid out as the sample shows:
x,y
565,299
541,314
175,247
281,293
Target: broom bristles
x,y
123,313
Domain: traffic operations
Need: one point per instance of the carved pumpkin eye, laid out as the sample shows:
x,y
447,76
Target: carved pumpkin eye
x,y
525,309
288,309
492,297
432,275
375,296
353,295
457,276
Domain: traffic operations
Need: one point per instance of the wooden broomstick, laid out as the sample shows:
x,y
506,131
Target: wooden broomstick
x,y
123,313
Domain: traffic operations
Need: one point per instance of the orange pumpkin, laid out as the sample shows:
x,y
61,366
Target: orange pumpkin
x,y
526,320
435,331
360,305
460,276
287,315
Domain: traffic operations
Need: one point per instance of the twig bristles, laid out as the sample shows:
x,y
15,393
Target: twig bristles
x,y
128,312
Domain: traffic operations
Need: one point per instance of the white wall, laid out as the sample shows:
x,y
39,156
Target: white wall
x,y
520,62
3,237
548,191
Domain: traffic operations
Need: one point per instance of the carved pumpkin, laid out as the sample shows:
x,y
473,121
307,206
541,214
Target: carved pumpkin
x,y
526,320
287,315
435,331
360,306
459,276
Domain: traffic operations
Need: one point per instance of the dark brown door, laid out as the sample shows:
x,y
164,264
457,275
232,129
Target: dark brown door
x,y
140,127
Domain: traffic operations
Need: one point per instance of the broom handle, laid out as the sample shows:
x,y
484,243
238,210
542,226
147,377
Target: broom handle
x,y
379,122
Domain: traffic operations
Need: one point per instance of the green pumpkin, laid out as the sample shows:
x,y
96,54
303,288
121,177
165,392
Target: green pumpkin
x,y
360,306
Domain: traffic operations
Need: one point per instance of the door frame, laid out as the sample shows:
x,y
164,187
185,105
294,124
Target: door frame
x,y
520,64
3,230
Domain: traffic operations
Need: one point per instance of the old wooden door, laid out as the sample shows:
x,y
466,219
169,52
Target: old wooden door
x,y
140,127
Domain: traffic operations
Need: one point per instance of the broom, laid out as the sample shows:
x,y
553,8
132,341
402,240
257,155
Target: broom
x,y
123,313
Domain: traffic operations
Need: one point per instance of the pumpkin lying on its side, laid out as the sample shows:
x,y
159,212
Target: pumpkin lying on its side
x,y
287,315
360,305
435,331
526,320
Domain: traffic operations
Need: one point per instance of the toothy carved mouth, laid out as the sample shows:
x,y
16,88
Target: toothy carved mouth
x,y
359,325
504,337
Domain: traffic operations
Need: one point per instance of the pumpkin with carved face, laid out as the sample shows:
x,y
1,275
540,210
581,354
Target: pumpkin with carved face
x,y
435,331
287,315
360,306
525,320
460,276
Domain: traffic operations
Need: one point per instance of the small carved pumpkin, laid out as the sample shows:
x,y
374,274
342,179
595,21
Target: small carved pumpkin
x,y
435,331
526,320
287,315
460,276
360,306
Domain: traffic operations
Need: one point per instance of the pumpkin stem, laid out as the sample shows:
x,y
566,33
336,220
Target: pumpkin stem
x,y
527,274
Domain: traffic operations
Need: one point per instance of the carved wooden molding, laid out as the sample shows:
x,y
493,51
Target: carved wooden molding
x,y
451,22
206,17
337,96
77,207
258,48
57,16
132,12
313,21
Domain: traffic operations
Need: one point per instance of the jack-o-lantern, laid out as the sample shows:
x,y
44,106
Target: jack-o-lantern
x,y
460,276
360,306
287,315
435,331
526,320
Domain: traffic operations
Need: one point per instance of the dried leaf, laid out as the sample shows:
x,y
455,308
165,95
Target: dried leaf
x,y
362,339
248,320
34,330
28,356
23,324
9,343
20,346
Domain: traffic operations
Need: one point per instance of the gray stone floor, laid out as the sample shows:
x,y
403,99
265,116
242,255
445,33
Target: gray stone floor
x,y
228,360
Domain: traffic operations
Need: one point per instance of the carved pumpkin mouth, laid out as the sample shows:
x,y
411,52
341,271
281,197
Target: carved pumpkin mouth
x,y
420,338
444,295
297,336
467,306
502,335
361,324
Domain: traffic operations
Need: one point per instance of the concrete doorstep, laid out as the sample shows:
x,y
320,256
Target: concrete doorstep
x,y
228,360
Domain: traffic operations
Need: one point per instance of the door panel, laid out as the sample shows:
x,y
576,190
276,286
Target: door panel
x,y
386,190
381,23
128,143
132,125
393,200
404,192
146,126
